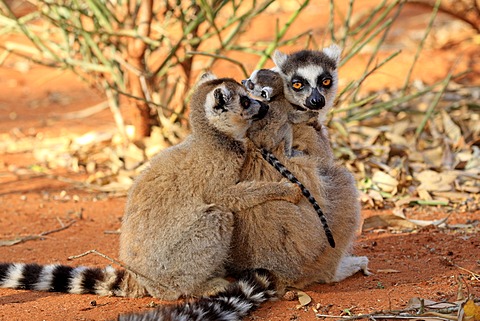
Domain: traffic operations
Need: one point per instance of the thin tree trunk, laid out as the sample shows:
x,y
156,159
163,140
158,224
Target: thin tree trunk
x,y
136,54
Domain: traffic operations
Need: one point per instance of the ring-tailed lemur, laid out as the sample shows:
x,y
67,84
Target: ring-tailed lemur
x,y
178,222
277,129
285,238
311,82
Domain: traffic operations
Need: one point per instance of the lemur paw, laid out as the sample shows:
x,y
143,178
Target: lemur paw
x,y
294,194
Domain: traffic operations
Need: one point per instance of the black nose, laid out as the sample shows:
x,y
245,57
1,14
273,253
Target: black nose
x,y
244,82
315,100
262,112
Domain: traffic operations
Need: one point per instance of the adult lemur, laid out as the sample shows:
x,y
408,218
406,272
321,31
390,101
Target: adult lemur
x,y
310,83
285,238
177,228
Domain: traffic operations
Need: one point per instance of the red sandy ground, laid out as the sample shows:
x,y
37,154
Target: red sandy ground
x,y
427,261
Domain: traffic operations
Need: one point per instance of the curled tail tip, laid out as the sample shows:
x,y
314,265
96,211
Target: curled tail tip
x,y
235,302
331,241
330,238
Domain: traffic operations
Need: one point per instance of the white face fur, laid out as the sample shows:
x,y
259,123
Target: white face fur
x,y
264,84
310,78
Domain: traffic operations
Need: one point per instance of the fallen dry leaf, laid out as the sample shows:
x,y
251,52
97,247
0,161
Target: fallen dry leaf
x,y
424,194
387,221
11,242
385,182
451,129
93,137
429,222
398,222
433,157
436,182
303,298
471,311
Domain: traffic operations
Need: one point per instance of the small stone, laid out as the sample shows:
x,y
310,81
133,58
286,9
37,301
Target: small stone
x,y
290,296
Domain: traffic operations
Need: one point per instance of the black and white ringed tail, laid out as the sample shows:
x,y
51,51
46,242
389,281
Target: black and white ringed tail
x,y
272,160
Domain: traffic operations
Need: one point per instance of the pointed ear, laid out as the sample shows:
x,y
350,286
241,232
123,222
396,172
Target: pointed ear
x,y
207,76
279,58
334,52
275,69
267,93
221,95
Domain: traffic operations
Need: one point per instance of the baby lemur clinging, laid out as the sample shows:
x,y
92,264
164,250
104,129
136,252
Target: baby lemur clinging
x,y
267,84
310,83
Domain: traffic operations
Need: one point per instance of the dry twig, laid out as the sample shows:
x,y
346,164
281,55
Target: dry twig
x,y
73,257
35,237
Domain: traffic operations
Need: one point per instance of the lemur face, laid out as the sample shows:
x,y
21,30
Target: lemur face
x,y
264,84
310,77
311,85
229,109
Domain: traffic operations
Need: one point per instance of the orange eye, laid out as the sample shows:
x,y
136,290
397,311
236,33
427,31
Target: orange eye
x,y
327,82
297,85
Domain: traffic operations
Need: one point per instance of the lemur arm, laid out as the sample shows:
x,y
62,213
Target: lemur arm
x,y
248,194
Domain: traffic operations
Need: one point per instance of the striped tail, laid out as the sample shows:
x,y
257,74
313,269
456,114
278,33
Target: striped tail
x,y
232,304
288,175
62,278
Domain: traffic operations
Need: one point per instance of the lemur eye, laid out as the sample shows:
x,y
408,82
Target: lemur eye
x,y
297,85
245,101
327,82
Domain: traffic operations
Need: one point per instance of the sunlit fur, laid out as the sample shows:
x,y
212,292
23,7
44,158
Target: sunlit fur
x,y
178,222
176,231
